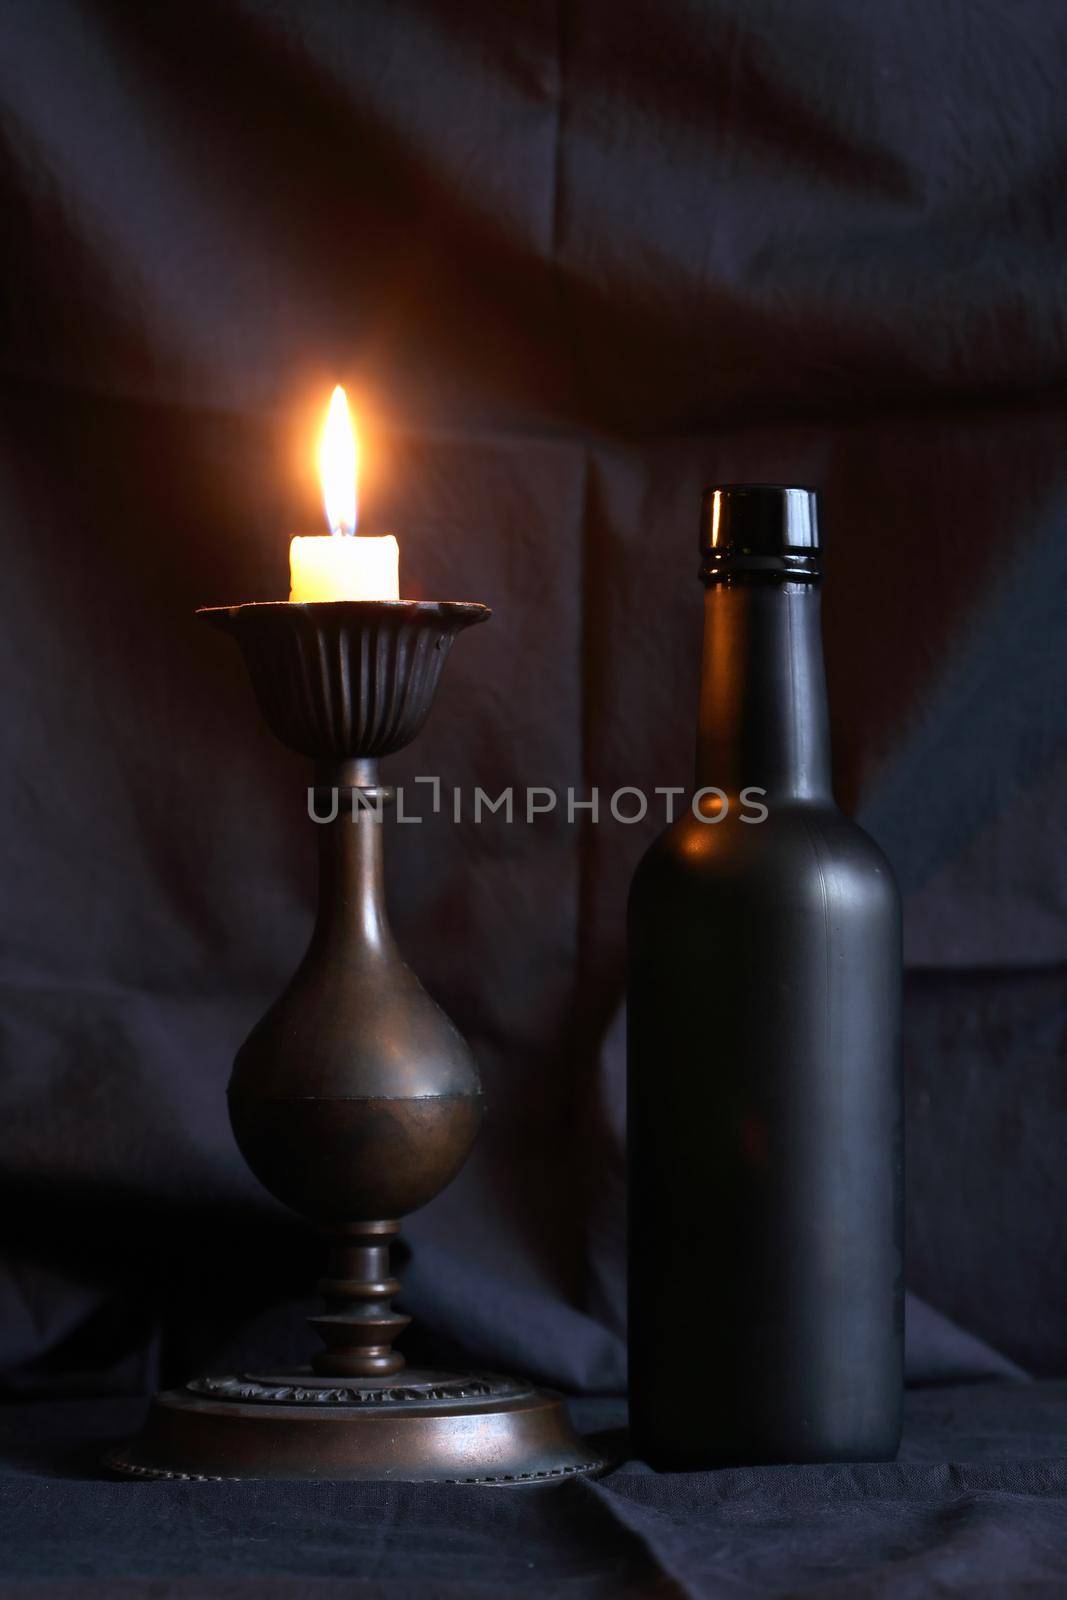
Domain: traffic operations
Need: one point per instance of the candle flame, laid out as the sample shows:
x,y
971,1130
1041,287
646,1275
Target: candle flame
x,y
338,463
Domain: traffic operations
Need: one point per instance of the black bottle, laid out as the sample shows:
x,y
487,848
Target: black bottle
x,y
765,1205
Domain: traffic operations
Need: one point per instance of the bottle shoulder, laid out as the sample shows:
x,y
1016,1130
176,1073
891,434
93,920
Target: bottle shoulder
x,y
799,849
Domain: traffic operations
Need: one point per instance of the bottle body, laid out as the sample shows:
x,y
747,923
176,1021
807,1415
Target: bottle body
x,y
765,1102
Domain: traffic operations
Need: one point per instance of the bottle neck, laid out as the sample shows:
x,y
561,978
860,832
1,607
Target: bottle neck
x,y
763,712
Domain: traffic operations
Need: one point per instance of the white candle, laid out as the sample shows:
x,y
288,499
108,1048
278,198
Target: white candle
x,y
342,565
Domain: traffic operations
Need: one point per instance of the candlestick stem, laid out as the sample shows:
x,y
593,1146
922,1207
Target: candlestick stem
x,y
359,1324
352,916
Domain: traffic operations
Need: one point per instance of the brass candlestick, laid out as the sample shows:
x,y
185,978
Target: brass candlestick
x,y
354,1100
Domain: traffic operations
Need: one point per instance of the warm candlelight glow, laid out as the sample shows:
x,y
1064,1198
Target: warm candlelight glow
x,y
344,565
338,465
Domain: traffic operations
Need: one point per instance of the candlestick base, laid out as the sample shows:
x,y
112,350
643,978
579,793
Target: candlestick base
x,y
423,1427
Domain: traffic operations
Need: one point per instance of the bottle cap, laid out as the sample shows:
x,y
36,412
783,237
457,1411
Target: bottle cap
x,y
753,532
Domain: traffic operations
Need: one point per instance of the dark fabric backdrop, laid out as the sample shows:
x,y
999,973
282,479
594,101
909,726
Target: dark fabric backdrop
x,y
574,261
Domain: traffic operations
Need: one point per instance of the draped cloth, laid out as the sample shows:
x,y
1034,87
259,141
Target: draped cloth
x,y
574,260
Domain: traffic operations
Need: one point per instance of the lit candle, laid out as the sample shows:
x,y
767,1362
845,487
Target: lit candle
x,y
342,565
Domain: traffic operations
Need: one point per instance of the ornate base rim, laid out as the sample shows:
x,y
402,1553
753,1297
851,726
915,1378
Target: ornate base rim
x,y
472,1428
